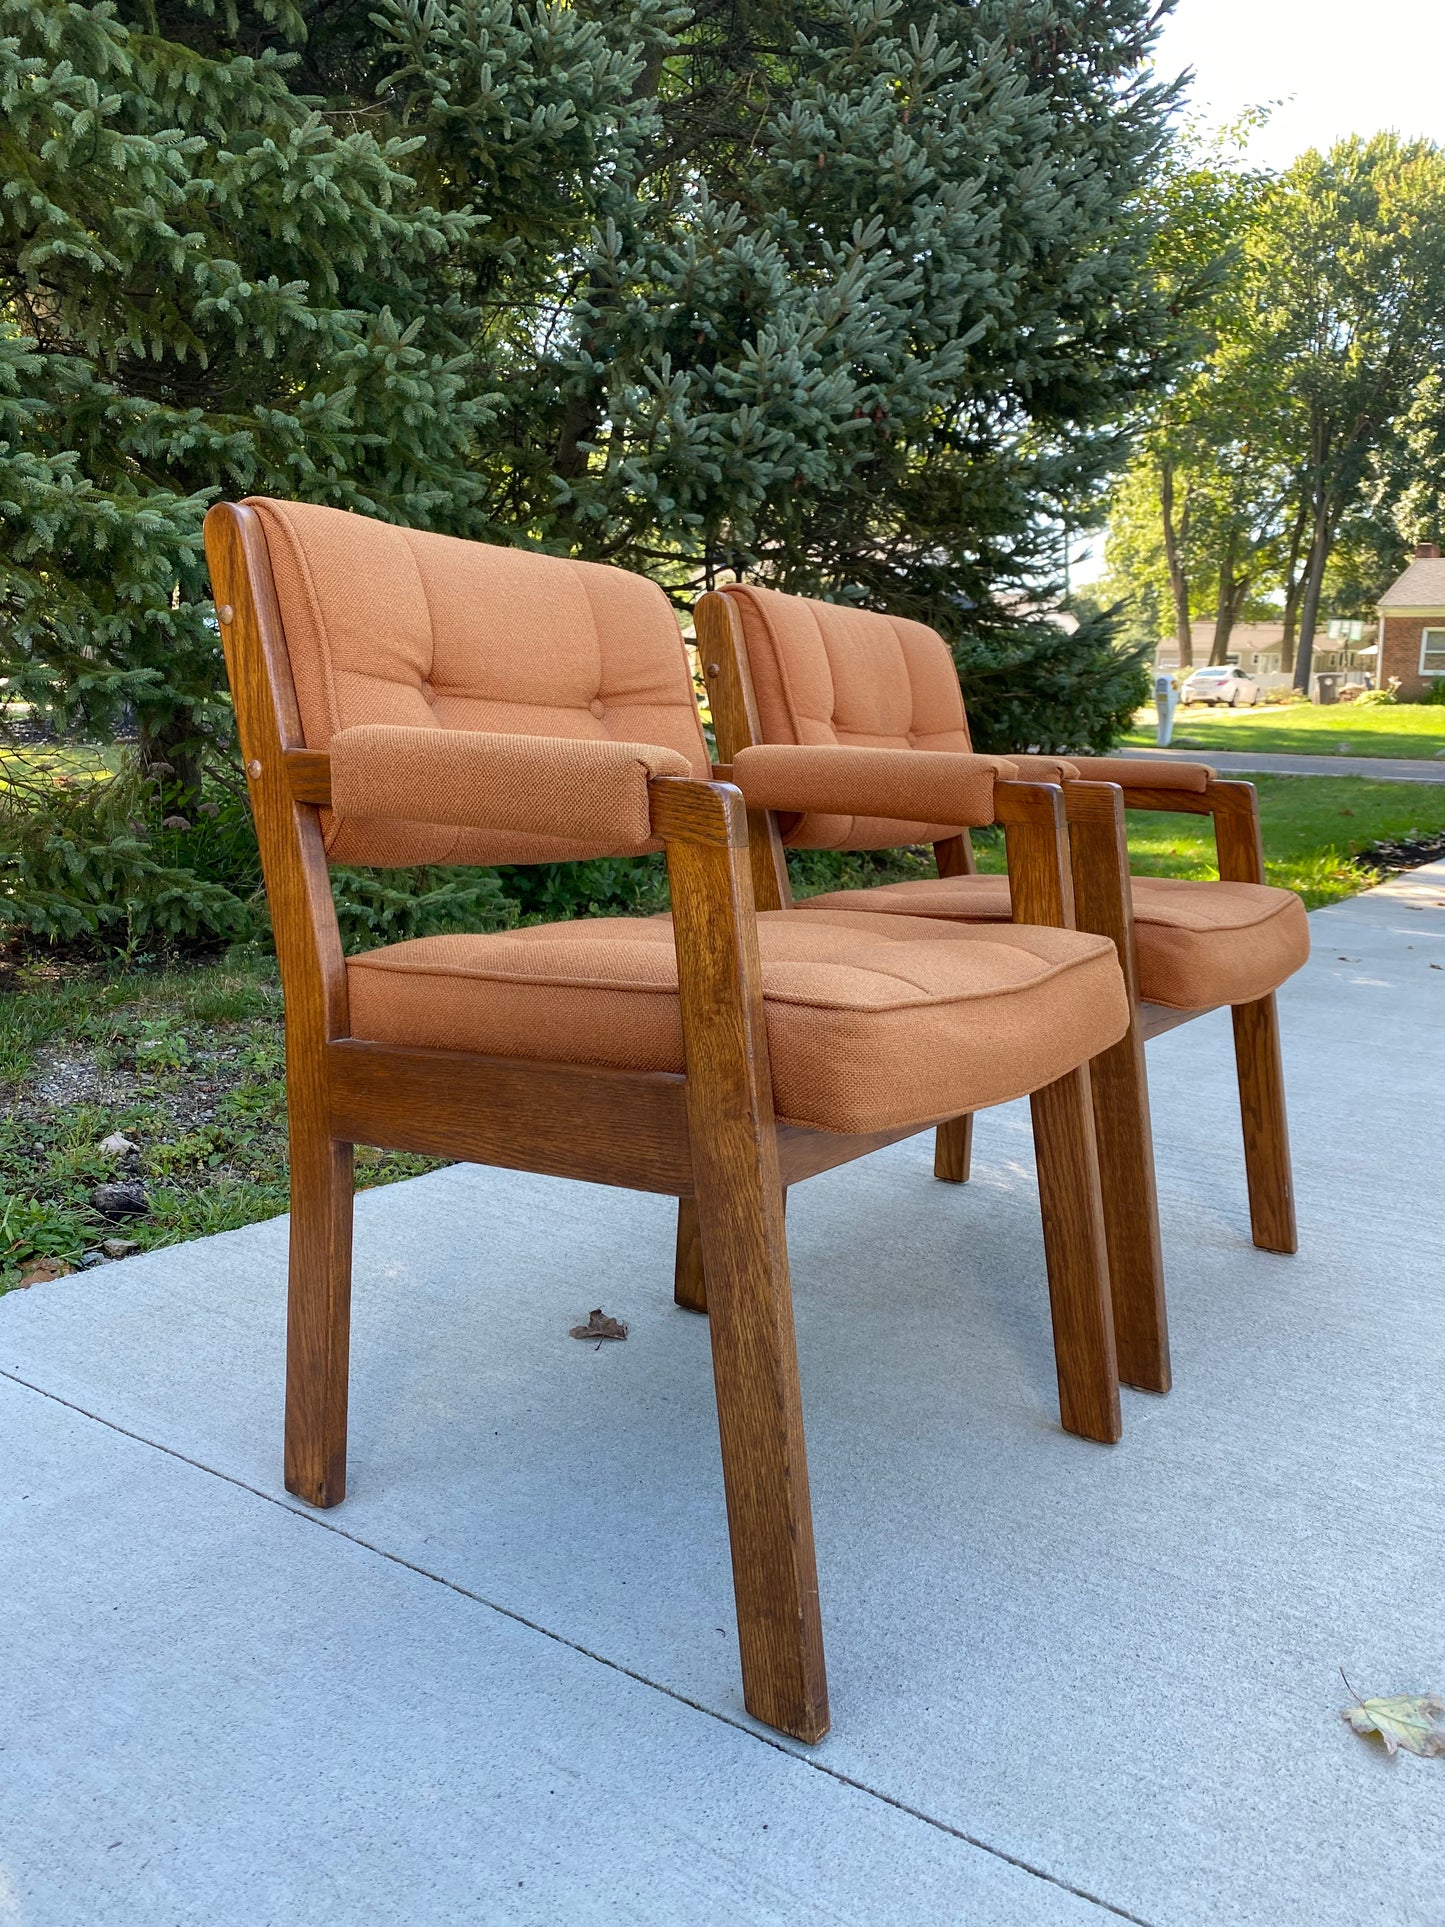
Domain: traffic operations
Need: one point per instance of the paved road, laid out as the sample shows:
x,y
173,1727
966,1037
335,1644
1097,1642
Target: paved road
x,y
1386,769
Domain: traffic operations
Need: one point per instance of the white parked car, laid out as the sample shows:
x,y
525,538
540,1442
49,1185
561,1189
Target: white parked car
x,y
1224,684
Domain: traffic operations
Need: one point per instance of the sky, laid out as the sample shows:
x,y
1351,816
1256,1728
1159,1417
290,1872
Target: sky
x,y
1335,68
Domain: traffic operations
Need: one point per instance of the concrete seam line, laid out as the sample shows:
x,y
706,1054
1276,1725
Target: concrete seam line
x,y
308,1516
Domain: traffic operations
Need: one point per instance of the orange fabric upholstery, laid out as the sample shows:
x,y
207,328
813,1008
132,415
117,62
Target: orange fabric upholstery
x,y
553,786
872,1022
824,673
419,631
953,788
1046,769
1198,944
1143,773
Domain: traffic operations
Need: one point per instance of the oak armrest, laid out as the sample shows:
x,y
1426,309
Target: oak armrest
x,y
912,785
574,789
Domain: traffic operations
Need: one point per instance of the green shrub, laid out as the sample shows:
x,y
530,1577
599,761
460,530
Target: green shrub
x,y
1435,693
627,886
91,860
375,907
95,862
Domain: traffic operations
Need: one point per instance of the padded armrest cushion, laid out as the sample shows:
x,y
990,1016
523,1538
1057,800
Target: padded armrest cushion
x,y
578,788
1046,769
1144,774
908,785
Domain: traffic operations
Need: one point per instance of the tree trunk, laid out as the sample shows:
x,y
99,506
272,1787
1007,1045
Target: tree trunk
x,y
1178,581
1321,537
579,422
170,751
1226,608
1293,585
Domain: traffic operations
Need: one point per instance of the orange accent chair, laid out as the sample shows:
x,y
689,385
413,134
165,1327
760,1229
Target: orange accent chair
x,y
790,677
410,698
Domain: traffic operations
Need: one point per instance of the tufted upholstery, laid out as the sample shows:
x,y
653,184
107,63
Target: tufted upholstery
x,y
1198,944
873,1023
390,625
823,673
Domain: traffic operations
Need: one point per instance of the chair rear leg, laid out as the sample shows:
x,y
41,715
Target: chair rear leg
x,y
1131,1213
689,1283
765,1469
318,1319
689,1286
953,1149
1266,1125
1078,1262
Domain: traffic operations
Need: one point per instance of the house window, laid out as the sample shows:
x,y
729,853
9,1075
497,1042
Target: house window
x,y
1432,653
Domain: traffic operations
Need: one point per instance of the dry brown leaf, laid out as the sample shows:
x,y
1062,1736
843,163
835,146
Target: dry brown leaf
x,y
599,1325
1411,1721
44,1271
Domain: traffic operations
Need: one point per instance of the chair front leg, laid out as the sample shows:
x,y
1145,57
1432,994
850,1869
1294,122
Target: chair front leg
x,y
1260,1069
1077,1258
318,1312
1099,859
1041,889
739,1194
1265,1121
1125,1139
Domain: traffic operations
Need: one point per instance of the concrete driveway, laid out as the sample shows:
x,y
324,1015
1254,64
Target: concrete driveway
x,y
1070,1683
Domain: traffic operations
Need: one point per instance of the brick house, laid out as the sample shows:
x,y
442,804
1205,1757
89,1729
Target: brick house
x,y
1412,624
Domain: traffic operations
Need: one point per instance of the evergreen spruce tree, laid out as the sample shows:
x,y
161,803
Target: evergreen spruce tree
x,y
847,294
865,311
208,284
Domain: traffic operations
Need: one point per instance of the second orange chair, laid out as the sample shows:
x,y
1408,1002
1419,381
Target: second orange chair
x,y
787,671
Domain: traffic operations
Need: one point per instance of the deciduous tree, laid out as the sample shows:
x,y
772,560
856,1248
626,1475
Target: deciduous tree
x,y
1347,272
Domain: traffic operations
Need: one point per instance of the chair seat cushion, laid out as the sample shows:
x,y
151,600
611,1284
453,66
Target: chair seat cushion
x,y
1198,944
873,1022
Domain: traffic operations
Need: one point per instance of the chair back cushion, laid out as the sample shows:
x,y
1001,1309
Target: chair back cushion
x,y
825,673
393,625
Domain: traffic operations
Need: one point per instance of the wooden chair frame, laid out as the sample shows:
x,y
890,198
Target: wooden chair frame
x,y
1102,903
709,1138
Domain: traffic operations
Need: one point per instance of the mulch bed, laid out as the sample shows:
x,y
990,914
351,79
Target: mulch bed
x,y
1389,859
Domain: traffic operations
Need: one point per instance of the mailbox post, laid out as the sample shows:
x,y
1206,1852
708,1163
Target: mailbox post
x,y
1166,701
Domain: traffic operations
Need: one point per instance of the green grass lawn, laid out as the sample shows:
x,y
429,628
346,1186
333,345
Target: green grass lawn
x,y
188,1063
1307,729
1314,826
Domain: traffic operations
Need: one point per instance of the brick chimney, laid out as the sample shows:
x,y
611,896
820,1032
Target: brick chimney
x,y
1427,551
